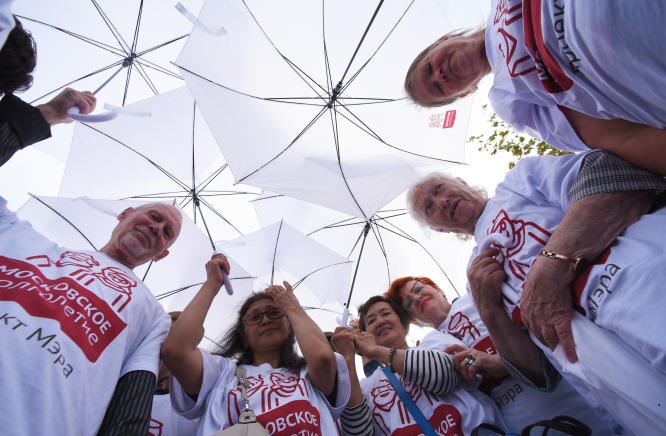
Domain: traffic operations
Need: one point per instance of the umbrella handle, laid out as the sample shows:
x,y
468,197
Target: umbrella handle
x,y
343,320
227,284
111,113
75,114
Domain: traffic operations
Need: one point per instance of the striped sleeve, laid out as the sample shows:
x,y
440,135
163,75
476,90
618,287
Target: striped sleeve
x,y
20,125
432,370
129,410
357,421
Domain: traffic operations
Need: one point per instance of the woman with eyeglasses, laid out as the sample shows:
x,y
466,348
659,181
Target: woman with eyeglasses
x,y
289,393
522,382
426,373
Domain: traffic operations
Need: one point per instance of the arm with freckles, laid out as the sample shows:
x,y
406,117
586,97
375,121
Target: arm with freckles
x,y
639,144
485,276
317,352
179,351
589,226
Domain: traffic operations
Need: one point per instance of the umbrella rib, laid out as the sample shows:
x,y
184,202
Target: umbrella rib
x,y
137,27
318,270
161,169
293,66
350,81
400,232
365,33
366,228
125,47
277,242
336,139
83,38
144,76
298,136
66,220
211,178
276,99
216,212
76,80
365,128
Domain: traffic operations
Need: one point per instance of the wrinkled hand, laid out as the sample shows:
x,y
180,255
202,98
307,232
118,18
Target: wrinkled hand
x,y
485,276
55,111
343,341
365,343
217,264
485,364
284,297
546,304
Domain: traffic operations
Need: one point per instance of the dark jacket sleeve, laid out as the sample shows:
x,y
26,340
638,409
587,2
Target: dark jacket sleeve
x,y
128,413
20,125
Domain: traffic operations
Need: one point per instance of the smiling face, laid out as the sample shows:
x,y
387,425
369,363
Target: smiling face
x,y
450,69
448,205
144,234
424,303
269,334
384,324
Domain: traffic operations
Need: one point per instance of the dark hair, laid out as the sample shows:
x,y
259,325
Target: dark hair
x,y
365,307
18,58
233,342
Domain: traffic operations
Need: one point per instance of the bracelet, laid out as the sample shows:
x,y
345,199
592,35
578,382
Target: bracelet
x,y
392,351
578,263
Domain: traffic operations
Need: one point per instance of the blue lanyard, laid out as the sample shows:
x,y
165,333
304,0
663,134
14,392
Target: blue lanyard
x,y
409,403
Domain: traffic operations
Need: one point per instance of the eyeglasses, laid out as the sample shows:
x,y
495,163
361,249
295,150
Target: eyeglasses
x,y
410,299
256,317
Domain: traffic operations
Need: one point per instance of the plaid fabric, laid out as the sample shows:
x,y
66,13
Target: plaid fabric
x,y
602,172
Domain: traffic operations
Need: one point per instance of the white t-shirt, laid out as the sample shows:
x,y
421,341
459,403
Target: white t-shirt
x,y
457,413
285,403
623,292
71,324
165,421
601,58
519,403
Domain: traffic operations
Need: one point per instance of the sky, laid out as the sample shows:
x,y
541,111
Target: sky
x,y
39,169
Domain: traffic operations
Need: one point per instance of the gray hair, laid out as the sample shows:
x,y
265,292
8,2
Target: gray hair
x,y
430,179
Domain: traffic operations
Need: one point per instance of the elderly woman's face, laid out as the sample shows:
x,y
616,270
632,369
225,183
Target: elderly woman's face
x,y
452,68
450,205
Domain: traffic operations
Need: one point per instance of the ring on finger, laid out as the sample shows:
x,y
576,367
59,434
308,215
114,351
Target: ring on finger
x,y
469,360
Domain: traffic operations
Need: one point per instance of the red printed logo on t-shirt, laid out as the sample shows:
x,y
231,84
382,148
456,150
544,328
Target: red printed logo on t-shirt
x,y
84,317
285,408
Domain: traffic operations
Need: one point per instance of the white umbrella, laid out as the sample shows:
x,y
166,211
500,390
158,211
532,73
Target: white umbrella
x,y
279,252
387,246
85,223
169,155
124,46
306,104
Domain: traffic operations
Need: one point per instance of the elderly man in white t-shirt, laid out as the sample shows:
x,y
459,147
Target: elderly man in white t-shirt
x,y
80,333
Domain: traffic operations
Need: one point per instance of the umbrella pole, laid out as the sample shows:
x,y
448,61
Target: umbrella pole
x,y
366,229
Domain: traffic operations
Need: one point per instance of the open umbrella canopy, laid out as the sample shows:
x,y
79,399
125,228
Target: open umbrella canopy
x,y
169,155
387,246
279,252
311,104
125,47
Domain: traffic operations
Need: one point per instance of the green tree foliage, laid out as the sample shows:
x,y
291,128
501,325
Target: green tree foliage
x,y
504,138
